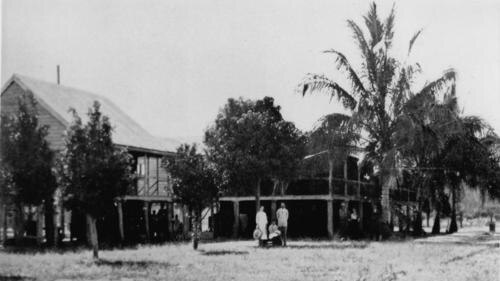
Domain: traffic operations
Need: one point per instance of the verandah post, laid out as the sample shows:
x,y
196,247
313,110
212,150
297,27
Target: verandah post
x,y
345,177
273,209
329,208
146,219
236,223
361,211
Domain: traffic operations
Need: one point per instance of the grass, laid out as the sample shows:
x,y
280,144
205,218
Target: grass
x,y
423,259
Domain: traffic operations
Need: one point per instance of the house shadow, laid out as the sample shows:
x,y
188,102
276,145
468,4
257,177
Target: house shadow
x,y
15,278
131,263
326,246
222,252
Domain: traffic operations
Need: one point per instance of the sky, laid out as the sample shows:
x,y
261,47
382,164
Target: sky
x,y
171,65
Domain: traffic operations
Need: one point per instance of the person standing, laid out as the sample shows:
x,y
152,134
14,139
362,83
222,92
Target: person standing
x,y
282,216
261,224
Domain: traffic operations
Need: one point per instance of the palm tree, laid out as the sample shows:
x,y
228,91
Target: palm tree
x,y
422,129
379,90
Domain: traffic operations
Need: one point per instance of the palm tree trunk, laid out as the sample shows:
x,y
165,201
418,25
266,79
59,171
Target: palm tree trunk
x,y
330,176
330,201
384,199
417,223
93,239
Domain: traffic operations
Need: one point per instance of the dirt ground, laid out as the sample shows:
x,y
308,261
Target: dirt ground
x,y
471,254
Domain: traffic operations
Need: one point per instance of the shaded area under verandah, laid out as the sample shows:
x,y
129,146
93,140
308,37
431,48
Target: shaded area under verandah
x,y
308,214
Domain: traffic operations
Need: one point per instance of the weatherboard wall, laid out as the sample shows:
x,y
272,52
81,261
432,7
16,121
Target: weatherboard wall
x,y
10,106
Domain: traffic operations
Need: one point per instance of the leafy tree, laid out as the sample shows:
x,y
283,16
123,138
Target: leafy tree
x,y
95,171
26,163
466,159
195,183
379,90
250,142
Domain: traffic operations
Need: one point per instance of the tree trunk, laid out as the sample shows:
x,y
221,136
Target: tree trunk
x,y
49,222
62,222
196,229
92,231
19,224
4,223
39,225
436,228
428,217
417,223
257,196
185,221
453,223
119,209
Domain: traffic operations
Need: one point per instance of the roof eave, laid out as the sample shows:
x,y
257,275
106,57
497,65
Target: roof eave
x,y
147,150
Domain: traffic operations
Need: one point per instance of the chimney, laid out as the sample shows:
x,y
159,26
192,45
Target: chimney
x,y
58,75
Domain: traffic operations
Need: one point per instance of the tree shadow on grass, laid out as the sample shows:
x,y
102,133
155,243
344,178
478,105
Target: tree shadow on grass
x,y
222,252
327,246
469,255
481,239
132,263
15,278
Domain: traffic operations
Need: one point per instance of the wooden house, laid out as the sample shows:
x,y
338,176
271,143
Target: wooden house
x,y
315,211
153,184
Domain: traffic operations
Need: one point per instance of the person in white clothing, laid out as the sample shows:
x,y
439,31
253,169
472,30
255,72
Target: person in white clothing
x,y
261,223
282,216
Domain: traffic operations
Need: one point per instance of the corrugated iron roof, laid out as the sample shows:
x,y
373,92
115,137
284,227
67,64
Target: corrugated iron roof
x,y
59,99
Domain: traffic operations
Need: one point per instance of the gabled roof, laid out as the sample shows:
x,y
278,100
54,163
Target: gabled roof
x,y
58,99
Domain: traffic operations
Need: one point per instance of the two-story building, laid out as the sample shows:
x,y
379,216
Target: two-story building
x,y
153,187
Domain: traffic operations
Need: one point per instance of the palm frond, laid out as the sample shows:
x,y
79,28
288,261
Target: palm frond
x,y
388,28
370,64
375,27
359,36
399,96
343,63
336,133
437,85
475,125
413,39
314,82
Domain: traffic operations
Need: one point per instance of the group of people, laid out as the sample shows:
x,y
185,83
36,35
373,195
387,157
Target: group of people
x,y
159,229
276,231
